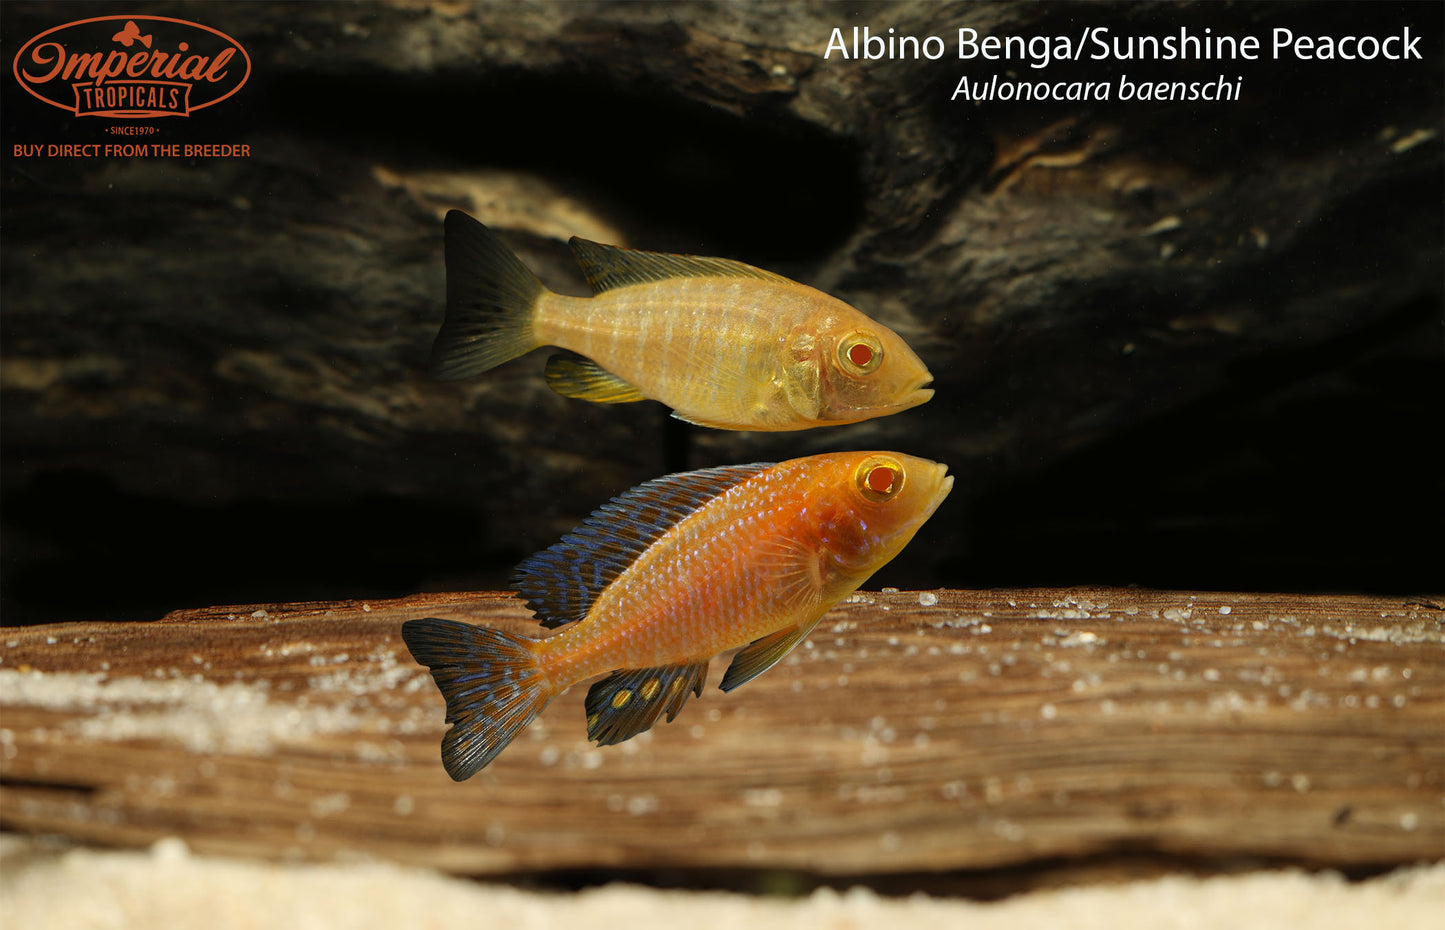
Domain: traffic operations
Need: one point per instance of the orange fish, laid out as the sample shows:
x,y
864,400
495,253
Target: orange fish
x,y
130,34
664,577
724,344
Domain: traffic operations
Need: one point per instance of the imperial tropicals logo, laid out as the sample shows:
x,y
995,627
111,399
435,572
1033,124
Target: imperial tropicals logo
x,y
132,67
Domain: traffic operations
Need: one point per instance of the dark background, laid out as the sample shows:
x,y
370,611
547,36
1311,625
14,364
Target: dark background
x,y
212,387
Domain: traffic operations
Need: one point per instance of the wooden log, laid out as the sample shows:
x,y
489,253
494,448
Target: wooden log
x,y
913,731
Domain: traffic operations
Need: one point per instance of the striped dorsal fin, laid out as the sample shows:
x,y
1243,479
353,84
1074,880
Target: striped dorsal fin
x,y
608,266
561,582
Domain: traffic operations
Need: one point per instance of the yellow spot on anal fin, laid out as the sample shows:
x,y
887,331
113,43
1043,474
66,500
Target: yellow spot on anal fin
x,y
650,689
621,698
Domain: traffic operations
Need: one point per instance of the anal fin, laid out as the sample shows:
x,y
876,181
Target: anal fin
x,y
630,700
699,421
762,654
577,376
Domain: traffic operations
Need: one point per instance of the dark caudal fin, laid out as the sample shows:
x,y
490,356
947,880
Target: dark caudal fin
x,y
492,685
491,299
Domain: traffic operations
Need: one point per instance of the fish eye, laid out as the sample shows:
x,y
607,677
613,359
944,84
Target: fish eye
x,y
860,353
879,478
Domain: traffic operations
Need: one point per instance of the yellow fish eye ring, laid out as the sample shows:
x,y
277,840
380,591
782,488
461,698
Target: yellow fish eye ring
x,y
878,478
860,353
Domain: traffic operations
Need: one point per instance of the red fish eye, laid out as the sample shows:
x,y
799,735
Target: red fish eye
x,y
880,480
861,353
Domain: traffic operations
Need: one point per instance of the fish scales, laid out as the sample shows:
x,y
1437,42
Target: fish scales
x,y
724,344
665,577
665,339
704,588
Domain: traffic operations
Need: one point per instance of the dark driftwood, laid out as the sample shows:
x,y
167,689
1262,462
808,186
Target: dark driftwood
x,y
915,731
201,340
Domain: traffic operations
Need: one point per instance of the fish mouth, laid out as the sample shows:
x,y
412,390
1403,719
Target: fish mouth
x,y
918,393
917,396
912,397
945,484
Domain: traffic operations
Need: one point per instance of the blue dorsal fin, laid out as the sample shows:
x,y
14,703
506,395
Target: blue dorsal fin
x,y
608,266
561,582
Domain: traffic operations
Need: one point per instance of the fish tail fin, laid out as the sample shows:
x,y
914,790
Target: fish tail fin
x,y
491,302
492,683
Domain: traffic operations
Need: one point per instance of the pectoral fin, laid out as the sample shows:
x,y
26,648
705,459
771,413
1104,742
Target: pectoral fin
x,y
629,701
804,392
762,654
582,378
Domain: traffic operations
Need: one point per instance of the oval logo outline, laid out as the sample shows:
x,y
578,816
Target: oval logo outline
x,y
124,19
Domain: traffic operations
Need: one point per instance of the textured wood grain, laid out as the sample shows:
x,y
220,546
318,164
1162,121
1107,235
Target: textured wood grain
x,y
914,731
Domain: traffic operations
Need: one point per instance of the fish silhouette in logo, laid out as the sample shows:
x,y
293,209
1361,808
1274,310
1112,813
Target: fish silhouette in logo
x,y
668,575
130,34
722,343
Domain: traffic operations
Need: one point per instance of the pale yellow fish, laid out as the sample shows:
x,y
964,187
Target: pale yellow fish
x,y
722,343
668,575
